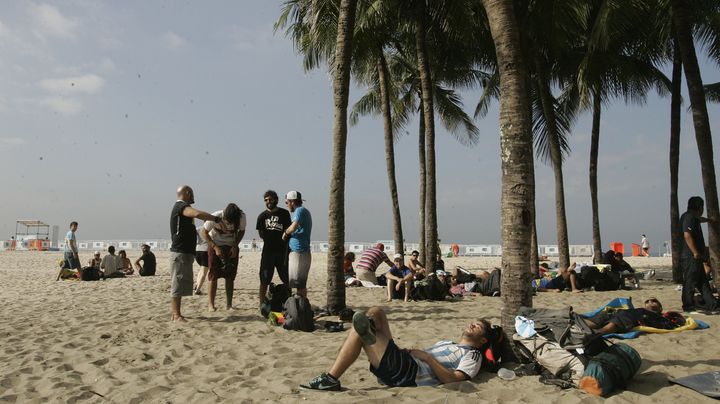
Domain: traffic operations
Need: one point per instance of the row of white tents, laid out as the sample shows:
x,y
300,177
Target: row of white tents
x,y
322,246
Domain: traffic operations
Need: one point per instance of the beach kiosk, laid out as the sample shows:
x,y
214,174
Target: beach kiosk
x,y
32,235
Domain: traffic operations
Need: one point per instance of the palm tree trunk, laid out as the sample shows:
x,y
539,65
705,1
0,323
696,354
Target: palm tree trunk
x,y
594,146
534,257
423,181
676,239
336,204
383,76
431,243
518,186
556,157
701,122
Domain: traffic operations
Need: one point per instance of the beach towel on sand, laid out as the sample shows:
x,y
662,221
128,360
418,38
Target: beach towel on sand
x,y
626,303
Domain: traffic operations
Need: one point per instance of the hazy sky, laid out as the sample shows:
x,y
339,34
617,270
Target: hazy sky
x,y
106,107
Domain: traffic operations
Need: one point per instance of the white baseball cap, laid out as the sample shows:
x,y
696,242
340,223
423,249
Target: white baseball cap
x,y
397,257
293,196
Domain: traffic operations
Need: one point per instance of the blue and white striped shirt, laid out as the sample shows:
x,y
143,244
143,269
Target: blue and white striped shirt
x,y
451,355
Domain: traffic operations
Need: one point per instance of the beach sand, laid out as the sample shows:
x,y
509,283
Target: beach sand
x,y
112,341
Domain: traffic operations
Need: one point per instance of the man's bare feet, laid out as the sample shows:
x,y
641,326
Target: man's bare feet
x,y
176,318
212,308
228,307
388,300
578,291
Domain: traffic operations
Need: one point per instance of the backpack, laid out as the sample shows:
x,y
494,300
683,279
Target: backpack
x,y
277,295
563,326
430,288
89,274
493,350
606,280
610,370
298,314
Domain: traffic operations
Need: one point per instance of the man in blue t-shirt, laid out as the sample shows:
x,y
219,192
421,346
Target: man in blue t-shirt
x,y
399,280
299,235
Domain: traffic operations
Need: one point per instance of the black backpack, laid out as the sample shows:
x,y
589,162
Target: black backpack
x,y
89,274
563,326
277,295
298,314
430,288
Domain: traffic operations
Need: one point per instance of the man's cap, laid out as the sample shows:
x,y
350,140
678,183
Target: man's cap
x,y
293,196
380,246
397,257
97,252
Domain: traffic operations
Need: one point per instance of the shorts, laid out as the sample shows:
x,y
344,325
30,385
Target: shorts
x,y
71,262
397,368
222,267
271,260
201,257
299,268
365,275
181,274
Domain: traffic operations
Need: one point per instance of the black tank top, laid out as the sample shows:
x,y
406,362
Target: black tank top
x,y
182,230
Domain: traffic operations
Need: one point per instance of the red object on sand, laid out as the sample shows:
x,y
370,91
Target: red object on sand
x,y
617,247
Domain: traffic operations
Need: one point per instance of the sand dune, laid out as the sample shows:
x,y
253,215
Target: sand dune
x,y
112,341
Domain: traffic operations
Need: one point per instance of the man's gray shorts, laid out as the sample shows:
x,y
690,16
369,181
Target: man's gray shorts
x,y
181,274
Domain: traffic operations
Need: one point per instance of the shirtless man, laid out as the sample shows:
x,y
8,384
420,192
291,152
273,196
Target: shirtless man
x,y
416,266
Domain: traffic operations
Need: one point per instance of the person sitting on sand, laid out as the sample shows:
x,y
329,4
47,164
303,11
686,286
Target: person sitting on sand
x,y
125,264
222,239
349,271
95,261
110,264
369,262
399,280
620,266
444,362
416,266
148,262
624,320
559,283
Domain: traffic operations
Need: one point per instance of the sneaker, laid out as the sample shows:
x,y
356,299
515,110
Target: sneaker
x,y
364,327
323,382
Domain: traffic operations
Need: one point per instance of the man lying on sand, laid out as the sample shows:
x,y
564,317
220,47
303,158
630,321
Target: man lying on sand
x,y
622,321
560,282
444,362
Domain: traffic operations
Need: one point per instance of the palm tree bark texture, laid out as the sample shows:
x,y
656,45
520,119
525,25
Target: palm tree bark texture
x,y
594,146
336,204
431,242
518,186
676,236
681,19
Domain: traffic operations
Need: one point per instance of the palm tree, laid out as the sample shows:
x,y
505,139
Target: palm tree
x,y
682,12
518,187
312,25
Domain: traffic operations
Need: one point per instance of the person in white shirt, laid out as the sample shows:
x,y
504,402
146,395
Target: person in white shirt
x,y
222,239
111,264
645,245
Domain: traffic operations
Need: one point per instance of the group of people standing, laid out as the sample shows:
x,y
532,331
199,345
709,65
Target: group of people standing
x,y
214,246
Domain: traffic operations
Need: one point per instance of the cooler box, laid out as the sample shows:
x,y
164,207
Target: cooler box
x,y
617,247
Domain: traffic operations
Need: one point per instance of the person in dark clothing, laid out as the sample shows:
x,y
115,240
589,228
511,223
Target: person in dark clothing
x,y
271,224
622,321
182,249
148,262
620,266
693,256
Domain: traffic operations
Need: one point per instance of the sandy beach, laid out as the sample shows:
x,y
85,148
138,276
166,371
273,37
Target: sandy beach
x,y
112,341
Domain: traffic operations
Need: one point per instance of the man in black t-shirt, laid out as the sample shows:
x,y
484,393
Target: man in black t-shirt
x,y
182,249
693,256
148,262
271,224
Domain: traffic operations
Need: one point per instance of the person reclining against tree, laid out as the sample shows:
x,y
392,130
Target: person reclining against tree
x,y
444,362
369,262
416,266
399,280
487,282
620,266
565,277
624,320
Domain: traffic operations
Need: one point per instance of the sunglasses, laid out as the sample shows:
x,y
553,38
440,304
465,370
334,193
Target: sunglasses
x,y
652,300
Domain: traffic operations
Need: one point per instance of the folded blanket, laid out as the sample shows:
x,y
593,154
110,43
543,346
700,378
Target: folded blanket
x,y
626,303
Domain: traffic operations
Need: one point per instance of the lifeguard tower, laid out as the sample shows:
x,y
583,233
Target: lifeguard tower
x,y
32,235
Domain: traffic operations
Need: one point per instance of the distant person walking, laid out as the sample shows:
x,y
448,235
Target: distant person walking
x,y
72,260
271,224
222,239
299,235
693,257
147,268
645,245
182,249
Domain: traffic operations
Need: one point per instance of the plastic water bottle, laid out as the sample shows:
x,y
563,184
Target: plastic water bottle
x,y
506,374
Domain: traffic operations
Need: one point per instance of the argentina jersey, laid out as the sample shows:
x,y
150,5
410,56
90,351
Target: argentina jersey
x,y
452,356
